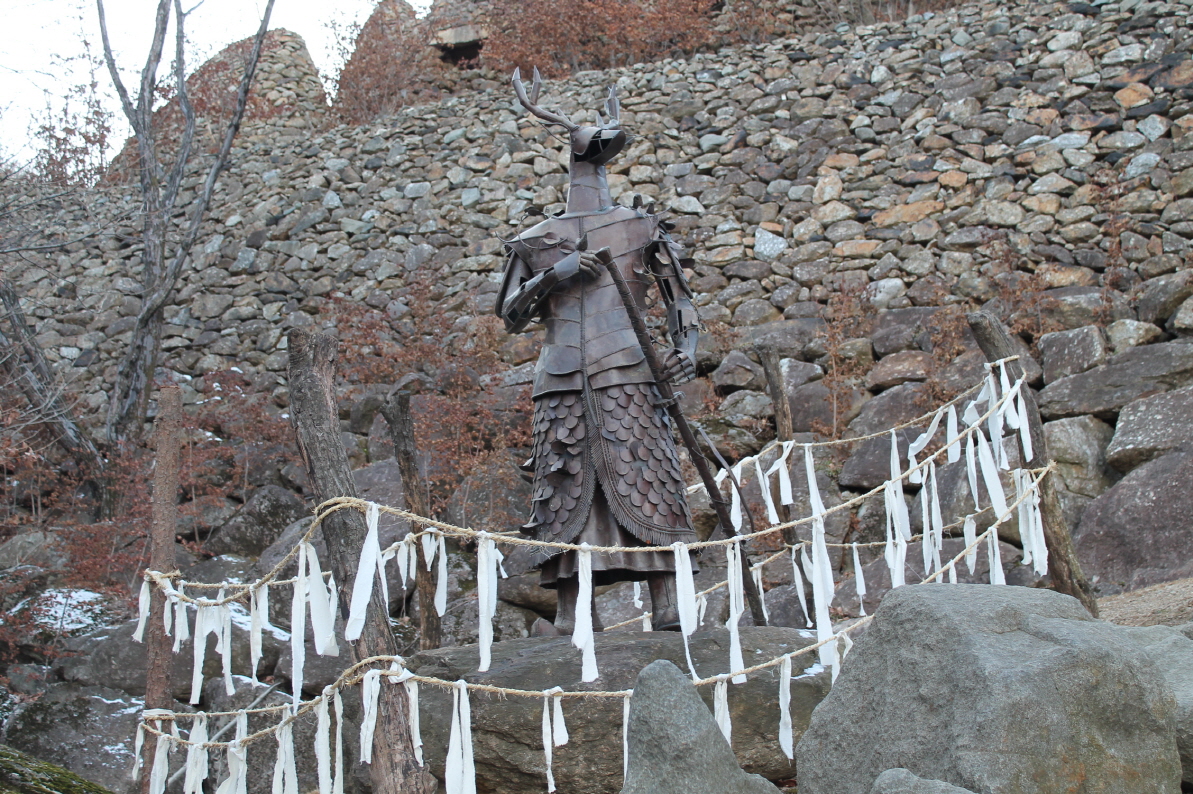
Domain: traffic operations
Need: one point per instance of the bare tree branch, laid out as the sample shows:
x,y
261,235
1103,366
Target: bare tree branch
x,y
32,375
134,377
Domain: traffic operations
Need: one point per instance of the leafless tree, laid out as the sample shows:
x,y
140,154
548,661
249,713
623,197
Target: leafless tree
x,y
160,181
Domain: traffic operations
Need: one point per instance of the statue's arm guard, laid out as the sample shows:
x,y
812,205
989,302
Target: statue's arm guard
x,y
683,322
523,295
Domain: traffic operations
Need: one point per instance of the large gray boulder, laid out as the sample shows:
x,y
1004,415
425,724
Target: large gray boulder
x,y
506,731
1150,427
900,781
86,729
109,657
23,774
877,576
1103,391
258,523
1139,533
1172,651
998,690
675,746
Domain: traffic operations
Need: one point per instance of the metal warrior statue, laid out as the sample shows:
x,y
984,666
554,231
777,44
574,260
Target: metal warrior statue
x,y
605,469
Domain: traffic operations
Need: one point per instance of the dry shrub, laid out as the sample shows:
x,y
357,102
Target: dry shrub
x,y
848,316
561,38
460,424
389,63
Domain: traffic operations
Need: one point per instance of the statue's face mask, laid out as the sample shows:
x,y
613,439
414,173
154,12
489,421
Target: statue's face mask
x,y
597,145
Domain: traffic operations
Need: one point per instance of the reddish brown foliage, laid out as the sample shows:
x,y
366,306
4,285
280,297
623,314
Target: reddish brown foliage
x,y
561,38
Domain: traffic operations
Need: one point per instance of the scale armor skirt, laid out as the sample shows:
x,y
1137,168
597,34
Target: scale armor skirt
x,y
606,473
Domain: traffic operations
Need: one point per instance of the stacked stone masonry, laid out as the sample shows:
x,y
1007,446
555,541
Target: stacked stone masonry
x,y
954,157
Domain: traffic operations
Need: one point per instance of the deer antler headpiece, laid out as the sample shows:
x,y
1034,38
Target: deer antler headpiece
x,y
593,144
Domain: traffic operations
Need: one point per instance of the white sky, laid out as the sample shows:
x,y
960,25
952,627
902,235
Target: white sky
x,y
45,35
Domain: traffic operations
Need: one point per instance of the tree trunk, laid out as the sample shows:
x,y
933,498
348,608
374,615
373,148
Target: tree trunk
x,y
1064,569
161,556
396,411
317,427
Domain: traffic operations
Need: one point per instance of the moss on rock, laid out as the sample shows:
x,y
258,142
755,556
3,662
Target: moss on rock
x,y
24,774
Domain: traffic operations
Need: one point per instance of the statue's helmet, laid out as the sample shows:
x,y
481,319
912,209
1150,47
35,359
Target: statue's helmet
x,y
590,144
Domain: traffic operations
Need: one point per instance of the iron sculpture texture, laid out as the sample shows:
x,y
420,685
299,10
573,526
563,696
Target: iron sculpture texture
x,y
605,469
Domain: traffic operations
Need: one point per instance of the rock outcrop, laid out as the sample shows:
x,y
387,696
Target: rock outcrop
x,y
506,731
993,689
674,745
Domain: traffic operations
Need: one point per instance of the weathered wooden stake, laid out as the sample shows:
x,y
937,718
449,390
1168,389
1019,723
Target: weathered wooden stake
x,y
317,427
1065,570
396,411
772,368
162,530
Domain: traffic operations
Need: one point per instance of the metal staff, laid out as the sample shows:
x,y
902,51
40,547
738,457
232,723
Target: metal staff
x,y
671,404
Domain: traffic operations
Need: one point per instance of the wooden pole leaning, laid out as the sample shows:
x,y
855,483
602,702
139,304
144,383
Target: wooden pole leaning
x,y
685,431
396,410
317,427
1063,567
163,525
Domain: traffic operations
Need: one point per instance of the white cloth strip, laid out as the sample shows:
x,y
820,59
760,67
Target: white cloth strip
x,y
559,729
814,500
798,582
737,608
786,741
685,595
971,469
822,593
917,446
323,629
756,575
460,770
196,756
1024,429
735,508
255,630
159,773
998,499
430,546
969,535
952,573
772,515
720,699
182,626
951,436
441,579
582,634
548,744
937,517
285,775
486,594
637,595
370,691
625,738
367,567
238,762
298,628
416,734
997,576
859,583
780,467
142,611
323,740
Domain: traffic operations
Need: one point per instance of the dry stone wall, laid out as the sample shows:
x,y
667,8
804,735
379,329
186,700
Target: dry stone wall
x,y
888,158
980,156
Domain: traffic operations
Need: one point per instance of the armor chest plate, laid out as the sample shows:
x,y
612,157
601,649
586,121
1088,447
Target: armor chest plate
x,y
588,330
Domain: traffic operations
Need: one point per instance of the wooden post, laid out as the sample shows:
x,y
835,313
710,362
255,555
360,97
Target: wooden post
x,y
162,530
1065,570
772,368
396,411
317,427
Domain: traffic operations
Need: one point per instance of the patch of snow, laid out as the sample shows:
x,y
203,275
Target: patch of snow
x,y
815,669
66,611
